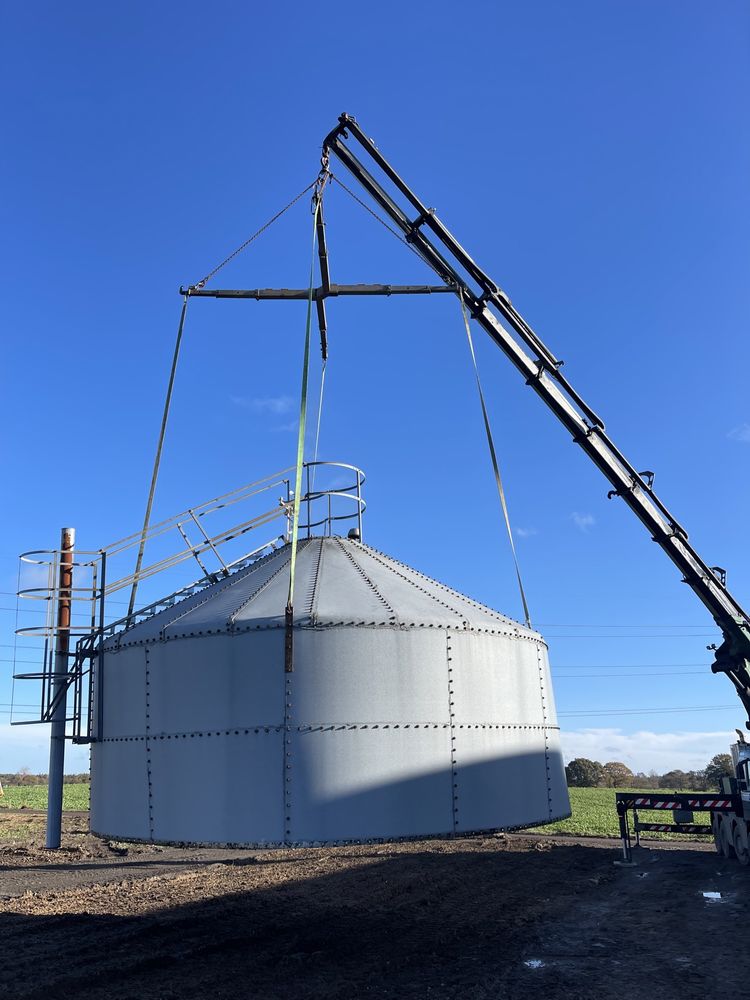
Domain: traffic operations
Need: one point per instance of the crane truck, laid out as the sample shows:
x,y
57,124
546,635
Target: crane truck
x,y
493,310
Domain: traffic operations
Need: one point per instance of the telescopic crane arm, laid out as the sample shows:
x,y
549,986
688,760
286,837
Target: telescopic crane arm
x,y
541,370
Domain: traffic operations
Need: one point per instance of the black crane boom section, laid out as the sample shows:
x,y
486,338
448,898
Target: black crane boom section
x,y
494,312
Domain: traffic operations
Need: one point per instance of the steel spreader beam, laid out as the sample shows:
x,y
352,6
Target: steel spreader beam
x,y
331,291
494,312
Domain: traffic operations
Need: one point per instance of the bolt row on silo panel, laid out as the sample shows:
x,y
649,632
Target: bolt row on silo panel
x,y
412,711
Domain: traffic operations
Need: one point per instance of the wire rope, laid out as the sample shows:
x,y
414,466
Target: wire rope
x,y
493,456
250,239
377,218
157,459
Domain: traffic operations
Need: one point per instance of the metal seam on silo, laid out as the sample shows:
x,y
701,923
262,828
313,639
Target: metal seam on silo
x,y
286,762
482,607
451,718
233,617
209,589
213,590
368,581
323,726
149,775
312,604
416,586
546,734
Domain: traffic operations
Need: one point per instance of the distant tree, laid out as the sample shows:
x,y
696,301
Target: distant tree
x,y
678,780
584,773
696,781
718,767
617,775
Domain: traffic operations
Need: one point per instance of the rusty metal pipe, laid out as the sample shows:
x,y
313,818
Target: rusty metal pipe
x,y
59,690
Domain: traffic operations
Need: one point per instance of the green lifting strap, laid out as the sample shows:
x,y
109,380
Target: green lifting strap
x,y
289,616
493,455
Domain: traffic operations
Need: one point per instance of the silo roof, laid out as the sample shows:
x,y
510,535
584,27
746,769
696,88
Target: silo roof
x,y
339,581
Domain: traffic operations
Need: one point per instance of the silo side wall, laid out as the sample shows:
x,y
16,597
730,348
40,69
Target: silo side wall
x,y
507,757
371,737
197,722
380,732
119,789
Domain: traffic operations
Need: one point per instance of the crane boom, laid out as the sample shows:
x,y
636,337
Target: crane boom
x,y
494,312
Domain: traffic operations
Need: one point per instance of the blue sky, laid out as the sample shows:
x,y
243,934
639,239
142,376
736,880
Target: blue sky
x,y
592,157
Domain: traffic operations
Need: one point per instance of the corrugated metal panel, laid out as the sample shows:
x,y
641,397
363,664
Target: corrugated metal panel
x,y
222,601
217,682
361,784
119,789
153,628
338,580
491,672
369,675
412,603
123,694
464,608
501,778
219,789
342,593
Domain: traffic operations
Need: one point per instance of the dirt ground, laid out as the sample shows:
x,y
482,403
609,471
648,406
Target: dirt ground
x,y
480,919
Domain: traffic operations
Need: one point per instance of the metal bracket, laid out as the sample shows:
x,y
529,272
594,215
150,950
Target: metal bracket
x,y
543,366
418,222
646,481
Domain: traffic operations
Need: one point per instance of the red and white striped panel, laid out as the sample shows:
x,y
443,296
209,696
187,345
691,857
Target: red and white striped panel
x,y
649,803
711,803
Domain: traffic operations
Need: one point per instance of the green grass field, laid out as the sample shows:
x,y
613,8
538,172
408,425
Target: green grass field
x,y
593,809
594,816
75,797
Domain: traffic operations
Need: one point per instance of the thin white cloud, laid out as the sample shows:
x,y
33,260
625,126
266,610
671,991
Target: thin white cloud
x,y
276,405
740,433
583,522
28,746
526,532
647,751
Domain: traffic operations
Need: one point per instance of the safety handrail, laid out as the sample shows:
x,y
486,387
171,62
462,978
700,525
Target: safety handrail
x,y
97,587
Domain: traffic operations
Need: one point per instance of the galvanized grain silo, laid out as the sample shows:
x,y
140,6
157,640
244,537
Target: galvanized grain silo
x,y
411,711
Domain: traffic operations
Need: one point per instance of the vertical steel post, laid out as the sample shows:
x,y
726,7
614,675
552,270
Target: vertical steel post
x,y
100,661
59,689
622,813
309,512
359,503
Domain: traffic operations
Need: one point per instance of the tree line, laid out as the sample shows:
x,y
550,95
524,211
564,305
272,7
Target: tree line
x,y
584,773
25,777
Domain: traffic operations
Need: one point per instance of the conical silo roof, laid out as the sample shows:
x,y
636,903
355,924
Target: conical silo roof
x,y
339,581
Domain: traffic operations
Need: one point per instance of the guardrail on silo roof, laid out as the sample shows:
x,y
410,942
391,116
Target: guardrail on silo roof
x,y
94,621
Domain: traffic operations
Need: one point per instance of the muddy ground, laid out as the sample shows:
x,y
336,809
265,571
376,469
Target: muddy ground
x,y
481,919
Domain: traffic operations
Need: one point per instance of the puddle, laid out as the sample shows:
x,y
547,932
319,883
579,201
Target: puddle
x,y
534,963
712,897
